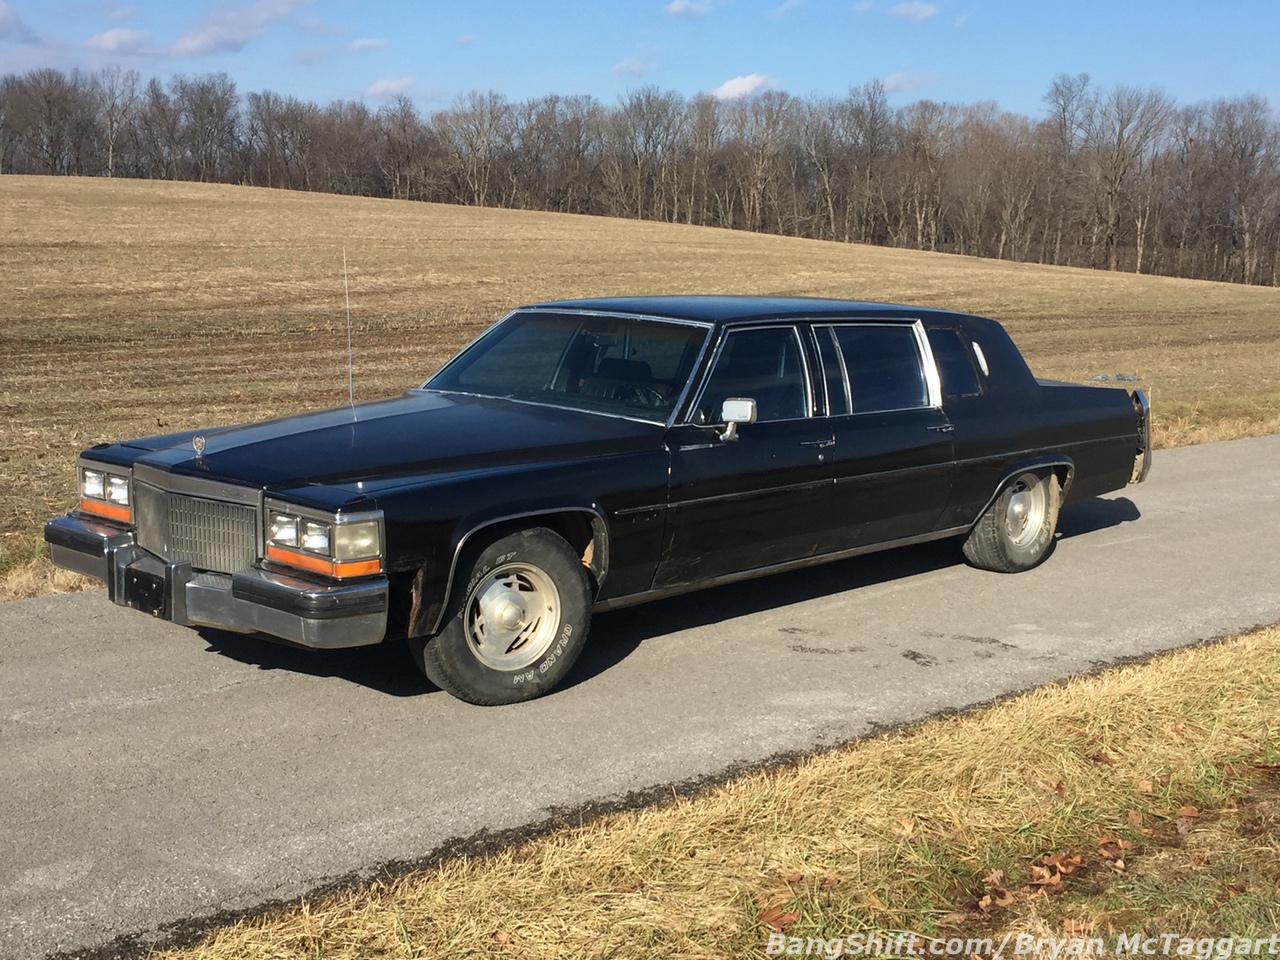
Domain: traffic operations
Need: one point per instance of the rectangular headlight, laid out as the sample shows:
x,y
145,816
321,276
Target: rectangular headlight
x,y
282,529
93,484
118,490
105,493
357,541
315,537
327,546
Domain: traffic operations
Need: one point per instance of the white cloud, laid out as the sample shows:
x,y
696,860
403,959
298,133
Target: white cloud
x,y
119,40
915,11
780,11
631,67
687,9
962,20
465,40
12,27
907,82
386,89
740,87
120,14
367,43
863,6
231,29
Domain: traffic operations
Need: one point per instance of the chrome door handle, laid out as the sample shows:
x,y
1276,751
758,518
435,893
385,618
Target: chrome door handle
x,y
942,427
829,442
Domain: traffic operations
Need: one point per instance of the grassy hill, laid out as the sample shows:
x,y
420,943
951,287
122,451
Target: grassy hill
x,y
135,307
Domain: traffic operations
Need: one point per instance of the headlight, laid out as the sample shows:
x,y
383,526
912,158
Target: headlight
x,y
357,541
335,546
282,529
105,494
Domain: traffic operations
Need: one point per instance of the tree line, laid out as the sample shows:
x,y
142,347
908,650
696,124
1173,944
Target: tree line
x,y
1120,179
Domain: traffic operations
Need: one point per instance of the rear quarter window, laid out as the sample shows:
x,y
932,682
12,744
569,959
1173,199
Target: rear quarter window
x,y
955,363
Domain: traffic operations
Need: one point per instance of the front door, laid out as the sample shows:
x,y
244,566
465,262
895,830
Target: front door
x,y
760,499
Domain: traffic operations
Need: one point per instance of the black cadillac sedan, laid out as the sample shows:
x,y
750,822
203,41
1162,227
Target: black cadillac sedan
x,y
592,454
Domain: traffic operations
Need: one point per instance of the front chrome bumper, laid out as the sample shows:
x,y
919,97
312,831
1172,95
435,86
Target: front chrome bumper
x,y
251,601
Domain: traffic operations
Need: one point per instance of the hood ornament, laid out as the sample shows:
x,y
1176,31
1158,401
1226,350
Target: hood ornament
x,y
198,443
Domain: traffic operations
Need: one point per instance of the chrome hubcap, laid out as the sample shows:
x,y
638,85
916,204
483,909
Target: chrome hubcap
x,y
512,616
1025,511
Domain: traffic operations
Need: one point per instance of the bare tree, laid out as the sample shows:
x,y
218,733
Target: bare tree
x,y
117,93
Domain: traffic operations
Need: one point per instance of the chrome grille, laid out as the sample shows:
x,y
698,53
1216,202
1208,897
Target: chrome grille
x,y
208,534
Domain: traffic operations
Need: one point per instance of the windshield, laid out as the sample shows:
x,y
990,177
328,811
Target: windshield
x,y
616,365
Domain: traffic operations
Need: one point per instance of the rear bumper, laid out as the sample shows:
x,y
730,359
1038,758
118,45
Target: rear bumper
x,y
1142,418
299,611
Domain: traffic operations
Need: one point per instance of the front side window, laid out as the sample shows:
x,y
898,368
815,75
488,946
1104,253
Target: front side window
x,y
620,365
763,365
884,365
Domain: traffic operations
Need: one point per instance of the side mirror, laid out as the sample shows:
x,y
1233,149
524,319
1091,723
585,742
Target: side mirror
x,y
734,411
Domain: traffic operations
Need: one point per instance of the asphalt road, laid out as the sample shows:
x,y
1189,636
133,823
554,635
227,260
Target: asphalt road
x,y
150,773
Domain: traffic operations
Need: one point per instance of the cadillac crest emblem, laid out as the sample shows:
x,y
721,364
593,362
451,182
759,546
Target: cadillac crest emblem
x,y
198,443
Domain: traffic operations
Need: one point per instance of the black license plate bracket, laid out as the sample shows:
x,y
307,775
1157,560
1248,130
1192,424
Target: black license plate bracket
x,y
146,591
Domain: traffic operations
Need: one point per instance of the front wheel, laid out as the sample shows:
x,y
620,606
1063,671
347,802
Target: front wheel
x,y
516,626
1016,532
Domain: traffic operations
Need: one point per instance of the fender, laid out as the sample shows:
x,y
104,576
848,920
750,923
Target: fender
x,y
596,556
1057,463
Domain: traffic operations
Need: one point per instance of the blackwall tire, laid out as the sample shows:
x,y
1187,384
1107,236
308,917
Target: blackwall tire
x,y
1016,531
515,624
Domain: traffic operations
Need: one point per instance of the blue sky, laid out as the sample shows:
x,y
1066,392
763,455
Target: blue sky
x,y
961,51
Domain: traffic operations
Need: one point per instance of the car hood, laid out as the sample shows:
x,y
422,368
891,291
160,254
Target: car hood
x,y
421,433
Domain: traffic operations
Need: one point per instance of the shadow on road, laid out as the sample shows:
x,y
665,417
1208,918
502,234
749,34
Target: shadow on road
x,y
388,668
1094,514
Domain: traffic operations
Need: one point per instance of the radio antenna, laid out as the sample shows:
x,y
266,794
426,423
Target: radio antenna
x,y
351,364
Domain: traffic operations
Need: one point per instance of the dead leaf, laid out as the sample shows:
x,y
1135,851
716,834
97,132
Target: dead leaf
x,y
829,882
1188,811
792,878
1062,862
1145,786
1102,757
905,829
1118,865
501,936
1184,825
1235,889
1060,789
1134,818
775,918
995,878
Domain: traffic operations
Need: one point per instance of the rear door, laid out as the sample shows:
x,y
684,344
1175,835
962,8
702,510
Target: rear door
x,y
762,498
893,457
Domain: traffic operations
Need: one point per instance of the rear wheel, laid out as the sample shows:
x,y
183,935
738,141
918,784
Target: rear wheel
x,y
517,624
1016,532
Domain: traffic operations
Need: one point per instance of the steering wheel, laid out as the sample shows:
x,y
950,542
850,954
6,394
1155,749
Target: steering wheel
x,y
641,393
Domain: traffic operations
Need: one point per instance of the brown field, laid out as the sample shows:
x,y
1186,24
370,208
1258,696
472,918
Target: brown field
x,y
133,308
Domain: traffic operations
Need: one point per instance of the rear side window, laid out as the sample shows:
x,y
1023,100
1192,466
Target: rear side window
x,y
955,364
885,371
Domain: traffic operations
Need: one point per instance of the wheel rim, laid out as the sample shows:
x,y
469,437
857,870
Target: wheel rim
x,y
1025,510
512,616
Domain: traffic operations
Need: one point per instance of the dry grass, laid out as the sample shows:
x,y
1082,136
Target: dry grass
x,y
133,308
900,833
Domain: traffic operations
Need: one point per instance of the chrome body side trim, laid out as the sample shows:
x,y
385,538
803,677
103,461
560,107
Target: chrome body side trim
x,y
618,603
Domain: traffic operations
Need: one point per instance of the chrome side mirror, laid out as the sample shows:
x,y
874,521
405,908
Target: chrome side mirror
x,y
734,411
